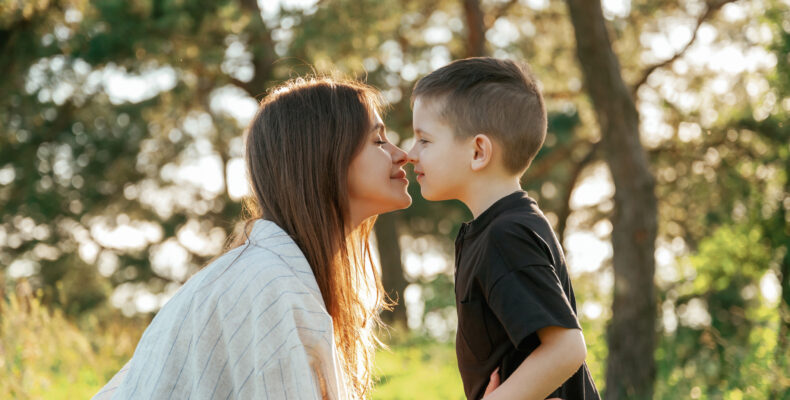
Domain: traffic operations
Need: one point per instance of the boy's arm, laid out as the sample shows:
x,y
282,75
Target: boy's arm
x,y
560,354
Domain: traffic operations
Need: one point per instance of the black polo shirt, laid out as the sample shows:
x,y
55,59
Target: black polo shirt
x,y
510,281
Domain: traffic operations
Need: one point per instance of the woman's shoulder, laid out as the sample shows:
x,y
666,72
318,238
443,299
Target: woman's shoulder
x,y
263,267
251,266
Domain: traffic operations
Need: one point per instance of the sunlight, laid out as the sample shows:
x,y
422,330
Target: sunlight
x,y
236,178
170,260
125,234
616,8
133,88
271,8
585,252
770,288
232,101
594,188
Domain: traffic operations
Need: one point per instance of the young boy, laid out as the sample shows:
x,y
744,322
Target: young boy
x,y
478,124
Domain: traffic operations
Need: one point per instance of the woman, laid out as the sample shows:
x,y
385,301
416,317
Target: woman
x,y
288,312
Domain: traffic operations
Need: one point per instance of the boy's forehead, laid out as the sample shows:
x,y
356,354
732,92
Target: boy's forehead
x,y
428,118
432,104
428,121
428,112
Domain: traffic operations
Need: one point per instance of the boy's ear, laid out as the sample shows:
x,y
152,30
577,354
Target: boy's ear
x,y
483,151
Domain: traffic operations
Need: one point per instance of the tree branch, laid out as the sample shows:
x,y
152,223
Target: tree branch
x,y
262,49
499,13
562,94
547,164
712,7
565,212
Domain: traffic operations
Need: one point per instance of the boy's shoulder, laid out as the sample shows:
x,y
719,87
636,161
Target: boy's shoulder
x,y
522,235
520,221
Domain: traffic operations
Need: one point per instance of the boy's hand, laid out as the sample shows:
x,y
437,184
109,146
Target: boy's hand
x,y
493,382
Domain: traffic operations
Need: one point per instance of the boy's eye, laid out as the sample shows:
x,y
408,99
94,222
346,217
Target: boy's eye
x,y
423,141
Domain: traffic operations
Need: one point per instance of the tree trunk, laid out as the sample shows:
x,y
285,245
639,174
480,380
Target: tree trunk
x,y
631,336
475,29
392,277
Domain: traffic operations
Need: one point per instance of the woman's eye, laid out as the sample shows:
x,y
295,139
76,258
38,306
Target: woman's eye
x,y
380,142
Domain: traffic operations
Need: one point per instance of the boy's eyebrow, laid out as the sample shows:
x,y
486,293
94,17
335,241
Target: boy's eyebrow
x,y
421,132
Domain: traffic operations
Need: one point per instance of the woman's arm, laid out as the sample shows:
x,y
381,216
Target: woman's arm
x,y
109,389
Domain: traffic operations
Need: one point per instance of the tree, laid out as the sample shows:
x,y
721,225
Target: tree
x,y
86,156
631,333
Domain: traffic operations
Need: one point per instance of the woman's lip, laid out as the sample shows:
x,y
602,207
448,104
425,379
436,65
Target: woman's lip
x,y
399,175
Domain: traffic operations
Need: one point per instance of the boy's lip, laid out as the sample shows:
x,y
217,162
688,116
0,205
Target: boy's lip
x,y
418,172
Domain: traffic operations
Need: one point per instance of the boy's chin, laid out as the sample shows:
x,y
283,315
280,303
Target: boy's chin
x,y
431,196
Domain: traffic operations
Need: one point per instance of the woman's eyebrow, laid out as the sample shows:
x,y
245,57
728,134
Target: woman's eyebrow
x,y
378,129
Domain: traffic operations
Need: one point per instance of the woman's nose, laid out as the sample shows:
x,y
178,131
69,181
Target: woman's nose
x,y
399,157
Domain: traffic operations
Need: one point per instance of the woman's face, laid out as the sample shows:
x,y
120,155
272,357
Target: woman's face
x,y
376,180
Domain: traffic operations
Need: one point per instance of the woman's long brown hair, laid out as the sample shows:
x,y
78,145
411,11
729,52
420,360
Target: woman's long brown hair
x,y
298,150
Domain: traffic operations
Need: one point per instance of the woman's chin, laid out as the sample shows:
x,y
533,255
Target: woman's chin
x,y
395,204
406,202
398,203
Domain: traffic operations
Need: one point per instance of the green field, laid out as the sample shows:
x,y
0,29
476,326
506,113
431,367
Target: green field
x,y
418,370
43,355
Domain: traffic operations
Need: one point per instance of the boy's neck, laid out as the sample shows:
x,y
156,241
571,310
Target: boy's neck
x,y
484,193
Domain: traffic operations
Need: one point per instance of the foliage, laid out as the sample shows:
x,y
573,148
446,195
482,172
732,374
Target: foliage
x,y
43,355
729,348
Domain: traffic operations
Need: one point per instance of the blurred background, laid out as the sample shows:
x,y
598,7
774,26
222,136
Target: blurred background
x,y
664,173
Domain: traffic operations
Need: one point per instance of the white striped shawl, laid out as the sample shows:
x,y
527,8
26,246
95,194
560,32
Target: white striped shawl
x,y
251,324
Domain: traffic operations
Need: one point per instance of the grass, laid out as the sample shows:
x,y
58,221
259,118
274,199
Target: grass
x,y
45,355
417,369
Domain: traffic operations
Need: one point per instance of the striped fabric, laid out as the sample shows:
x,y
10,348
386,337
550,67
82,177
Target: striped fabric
x,y
252,324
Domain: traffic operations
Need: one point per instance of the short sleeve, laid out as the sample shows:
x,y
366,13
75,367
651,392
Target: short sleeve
x,y
529,298
512,245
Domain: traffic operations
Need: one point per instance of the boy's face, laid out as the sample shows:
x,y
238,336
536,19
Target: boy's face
x,y
440,161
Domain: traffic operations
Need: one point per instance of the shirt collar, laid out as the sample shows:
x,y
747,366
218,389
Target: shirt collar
x,y
508,202
263,229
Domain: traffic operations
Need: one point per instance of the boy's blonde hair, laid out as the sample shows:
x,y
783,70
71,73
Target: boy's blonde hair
x,y
492,96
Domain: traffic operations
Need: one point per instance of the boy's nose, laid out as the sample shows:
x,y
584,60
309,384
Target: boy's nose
x,y
411,156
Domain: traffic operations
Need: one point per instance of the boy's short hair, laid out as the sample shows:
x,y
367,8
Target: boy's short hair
x,y
492,96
